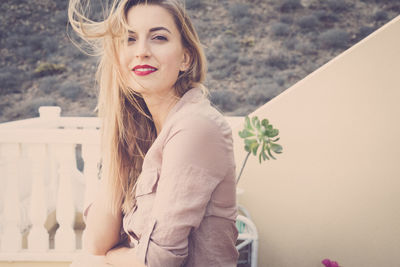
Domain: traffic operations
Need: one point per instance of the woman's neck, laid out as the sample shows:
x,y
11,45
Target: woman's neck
x,y
159,107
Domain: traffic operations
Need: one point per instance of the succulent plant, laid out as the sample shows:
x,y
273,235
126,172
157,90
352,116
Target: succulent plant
x,y
261,135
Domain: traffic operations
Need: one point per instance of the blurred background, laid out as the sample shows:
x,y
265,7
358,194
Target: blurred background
x,y
255,49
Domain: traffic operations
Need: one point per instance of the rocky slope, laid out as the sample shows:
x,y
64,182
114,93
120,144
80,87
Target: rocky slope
x,y
255,49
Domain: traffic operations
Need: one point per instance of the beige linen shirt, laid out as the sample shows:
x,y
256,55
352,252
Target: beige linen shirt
x,y
185,196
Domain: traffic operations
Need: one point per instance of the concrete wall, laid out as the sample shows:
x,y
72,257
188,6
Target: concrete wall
x,y
335,191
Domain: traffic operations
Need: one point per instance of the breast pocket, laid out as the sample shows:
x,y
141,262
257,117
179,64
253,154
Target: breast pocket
x,y
146,189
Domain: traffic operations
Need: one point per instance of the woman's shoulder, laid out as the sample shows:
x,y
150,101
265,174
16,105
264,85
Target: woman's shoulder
x,y
202,118
195,119
199,135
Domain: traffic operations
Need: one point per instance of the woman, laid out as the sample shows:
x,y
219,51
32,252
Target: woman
x,y
167,195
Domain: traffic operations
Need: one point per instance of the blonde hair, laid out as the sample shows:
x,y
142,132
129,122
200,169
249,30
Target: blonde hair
x,y
128,128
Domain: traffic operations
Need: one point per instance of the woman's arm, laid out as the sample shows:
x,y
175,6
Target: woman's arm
x,y
102,227
123,257
87,260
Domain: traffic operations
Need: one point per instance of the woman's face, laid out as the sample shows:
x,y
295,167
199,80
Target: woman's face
x,y
154,53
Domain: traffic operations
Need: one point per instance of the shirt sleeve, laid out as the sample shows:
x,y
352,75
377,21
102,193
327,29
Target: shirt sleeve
x,y
194,162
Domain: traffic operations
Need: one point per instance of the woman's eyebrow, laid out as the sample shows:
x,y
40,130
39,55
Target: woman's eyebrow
x,y
159,29
152,30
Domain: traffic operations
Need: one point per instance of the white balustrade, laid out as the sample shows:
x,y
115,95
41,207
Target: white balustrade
x,y
38,239
50,166
44,148
11,240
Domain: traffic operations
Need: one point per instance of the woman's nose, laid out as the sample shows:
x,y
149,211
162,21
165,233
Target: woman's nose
x,y
143,50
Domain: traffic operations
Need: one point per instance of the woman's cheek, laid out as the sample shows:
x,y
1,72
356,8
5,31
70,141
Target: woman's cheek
x,y
124,57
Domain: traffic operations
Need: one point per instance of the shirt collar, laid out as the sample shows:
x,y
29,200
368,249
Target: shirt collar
x,y
192,95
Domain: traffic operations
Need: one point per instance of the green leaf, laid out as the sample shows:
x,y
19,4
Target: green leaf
x,y
247,123
276,140
269,153
264,155
259,158
253,120
268,130
250,141
265,122
265,145
263,129
258,126
247,148
245,133
274,133
276,148
254,148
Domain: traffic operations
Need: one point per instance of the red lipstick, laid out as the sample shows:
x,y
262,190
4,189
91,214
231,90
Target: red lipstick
x,y
143,70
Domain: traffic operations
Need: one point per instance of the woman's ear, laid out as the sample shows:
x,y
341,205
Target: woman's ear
x,y
185,62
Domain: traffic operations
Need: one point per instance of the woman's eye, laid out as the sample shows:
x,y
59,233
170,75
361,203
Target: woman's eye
x,y
161,38
131,39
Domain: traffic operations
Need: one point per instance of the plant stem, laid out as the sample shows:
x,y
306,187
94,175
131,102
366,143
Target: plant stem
x,y
241,170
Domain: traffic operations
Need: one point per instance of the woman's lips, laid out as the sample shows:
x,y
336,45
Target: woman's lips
x,y
143,70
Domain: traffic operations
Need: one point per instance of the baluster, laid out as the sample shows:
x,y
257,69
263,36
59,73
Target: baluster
x,y
52,166
91,158
52,171
38,239
65,209
11,240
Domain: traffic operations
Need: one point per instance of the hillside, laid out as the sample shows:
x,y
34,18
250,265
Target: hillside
x,y
255,49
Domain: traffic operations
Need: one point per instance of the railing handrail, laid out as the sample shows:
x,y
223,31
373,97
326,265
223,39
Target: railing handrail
x,y
50,136
51,128
73,122
50,118
66,122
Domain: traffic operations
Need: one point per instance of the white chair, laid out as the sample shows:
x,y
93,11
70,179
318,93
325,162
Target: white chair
x,y
248,238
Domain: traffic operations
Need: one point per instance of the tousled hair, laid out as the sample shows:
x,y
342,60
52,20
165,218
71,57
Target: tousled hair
x,y
128,128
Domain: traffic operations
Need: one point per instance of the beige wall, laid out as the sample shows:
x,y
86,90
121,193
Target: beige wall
x,y
335,191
